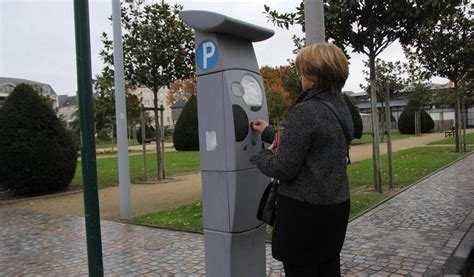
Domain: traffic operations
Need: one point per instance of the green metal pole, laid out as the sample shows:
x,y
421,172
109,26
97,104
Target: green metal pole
x,y
86,116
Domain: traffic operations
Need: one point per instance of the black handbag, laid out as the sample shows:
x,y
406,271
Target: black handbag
x,y
267,207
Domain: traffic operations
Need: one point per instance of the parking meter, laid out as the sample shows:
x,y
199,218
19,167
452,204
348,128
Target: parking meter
x,y
230,96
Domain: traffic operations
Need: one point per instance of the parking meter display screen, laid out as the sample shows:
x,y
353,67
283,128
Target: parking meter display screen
x,y
253,94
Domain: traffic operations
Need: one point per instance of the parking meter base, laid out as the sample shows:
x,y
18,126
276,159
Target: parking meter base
x,y
235,198
235,254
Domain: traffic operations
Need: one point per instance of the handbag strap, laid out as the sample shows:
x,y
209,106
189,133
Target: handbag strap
x,y
341,122
339,118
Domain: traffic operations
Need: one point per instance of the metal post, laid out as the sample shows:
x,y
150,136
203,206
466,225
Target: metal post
x,y
417,116
314,21
162,141
88,155
388,121
143,129
121,114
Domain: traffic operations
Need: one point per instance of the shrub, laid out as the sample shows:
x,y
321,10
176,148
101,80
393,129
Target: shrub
x,y
186,136
37,155
356,118
149,133
103,135
168,133
406,122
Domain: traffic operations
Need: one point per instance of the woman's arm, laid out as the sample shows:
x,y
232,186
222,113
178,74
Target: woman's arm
x,y
295,142
268,134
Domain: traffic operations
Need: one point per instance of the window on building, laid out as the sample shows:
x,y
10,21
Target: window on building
x,y
46,90
8,88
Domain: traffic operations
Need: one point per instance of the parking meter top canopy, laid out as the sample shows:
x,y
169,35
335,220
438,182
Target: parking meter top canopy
x,y
222,42
211,22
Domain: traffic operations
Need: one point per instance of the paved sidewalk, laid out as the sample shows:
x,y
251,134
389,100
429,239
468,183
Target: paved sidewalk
x,y
411,234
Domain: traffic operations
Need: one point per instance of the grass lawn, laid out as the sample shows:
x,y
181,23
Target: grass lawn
x,y
469,140
409,166
107,168
367,138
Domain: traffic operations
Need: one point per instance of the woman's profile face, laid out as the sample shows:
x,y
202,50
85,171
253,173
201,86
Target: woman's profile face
x,y
306,83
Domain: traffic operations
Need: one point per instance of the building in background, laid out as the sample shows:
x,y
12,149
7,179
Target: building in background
x,y
398,104
7,85
176,110
145,95
67,106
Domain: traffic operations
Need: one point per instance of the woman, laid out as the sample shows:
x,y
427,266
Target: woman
x,y
313,197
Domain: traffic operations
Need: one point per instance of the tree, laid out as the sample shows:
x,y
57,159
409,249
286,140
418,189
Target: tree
x,y
149,133
181,90
105,104
278,97
292,82
186,133
74,129
158,49
277,105
356,118
37,155
386,73
369,27
445,47
406,122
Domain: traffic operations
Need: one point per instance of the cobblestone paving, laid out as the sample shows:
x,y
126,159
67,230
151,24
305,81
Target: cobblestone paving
x,y
412,234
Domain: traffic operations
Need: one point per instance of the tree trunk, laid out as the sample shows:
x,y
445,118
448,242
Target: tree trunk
x,y
143,129
418,123
464,124
388,120
382,123
457,119
157,135
162,167
375,127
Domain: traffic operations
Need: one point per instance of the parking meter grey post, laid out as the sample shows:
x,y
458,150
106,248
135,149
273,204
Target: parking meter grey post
x,y
230,96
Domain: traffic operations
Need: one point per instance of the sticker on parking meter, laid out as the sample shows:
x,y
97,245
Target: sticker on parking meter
x,y
211,141
207,55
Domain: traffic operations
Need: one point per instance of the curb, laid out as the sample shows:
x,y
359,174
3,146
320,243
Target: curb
x,y
7,202
412,185
161,228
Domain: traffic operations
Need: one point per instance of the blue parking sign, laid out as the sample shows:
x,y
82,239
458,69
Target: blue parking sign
x,y
207,55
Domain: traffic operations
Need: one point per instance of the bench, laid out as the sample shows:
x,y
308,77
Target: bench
x,y
450,133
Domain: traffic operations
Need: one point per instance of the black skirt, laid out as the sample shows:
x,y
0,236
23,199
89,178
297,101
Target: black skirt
x,y
306,233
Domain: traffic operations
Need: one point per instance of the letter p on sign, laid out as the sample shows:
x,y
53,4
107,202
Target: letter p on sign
x,y
207,55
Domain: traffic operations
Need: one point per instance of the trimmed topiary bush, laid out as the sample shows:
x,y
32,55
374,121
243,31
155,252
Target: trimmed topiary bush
x,y
356,118
149,133
37,154
186,135
406,122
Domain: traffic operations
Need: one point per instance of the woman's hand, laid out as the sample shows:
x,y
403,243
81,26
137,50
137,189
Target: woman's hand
x,y
273,147
259,125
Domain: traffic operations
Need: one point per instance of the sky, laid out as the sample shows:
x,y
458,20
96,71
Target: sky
x,y
37,39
